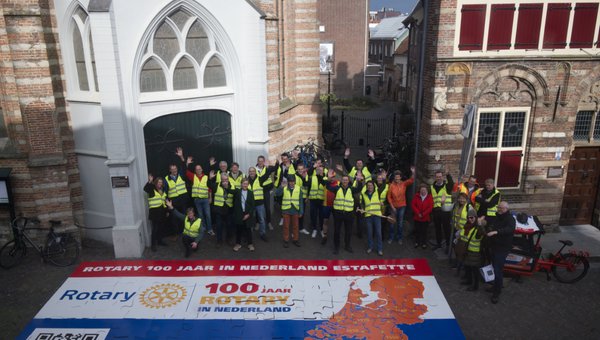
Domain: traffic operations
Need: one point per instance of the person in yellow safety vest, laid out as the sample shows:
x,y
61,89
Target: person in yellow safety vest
x,y
343,210
486,201
471,235
292,208
200,193
175,187
285,168
256,185
371,203
303,181
157,210
359,181
235,175
220,170
459,218
268,184
316,196
221,207
469,187
359,165
192,228
441,191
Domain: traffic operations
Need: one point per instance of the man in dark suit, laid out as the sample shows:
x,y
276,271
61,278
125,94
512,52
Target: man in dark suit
x,y
243,209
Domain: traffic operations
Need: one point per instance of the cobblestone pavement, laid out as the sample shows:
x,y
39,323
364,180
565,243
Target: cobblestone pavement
x,y
533,309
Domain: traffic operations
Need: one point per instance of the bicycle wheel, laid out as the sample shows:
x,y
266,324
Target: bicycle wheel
x,y
62,251
11,253
570,268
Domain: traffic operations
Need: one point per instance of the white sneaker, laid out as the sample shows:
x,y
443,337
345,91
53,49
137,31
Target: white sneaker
x,y
390,241
323,234
304,231
270,226
281,222
314,233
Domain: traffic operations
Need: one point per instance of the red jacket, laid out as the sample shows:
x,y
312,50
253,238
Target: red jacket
x,y
422,207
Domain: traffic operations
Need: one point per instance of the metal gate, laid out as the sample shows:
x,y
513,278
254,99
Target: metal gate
x,y
201,134
369,131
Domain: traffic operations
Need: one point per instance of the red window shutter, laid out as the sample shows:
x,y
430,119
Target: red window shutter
x,y
509,169
584,23
557,23
485,165
501,22
528,26
471,28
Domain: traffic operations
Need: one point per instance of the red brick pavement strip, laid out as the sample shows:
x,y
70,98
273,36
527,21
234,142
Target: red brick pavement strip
x,y
534,309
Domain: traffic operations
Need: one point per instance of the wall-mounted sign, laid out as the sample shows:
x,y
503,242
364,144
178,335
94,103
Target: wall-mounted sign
x,y
120,181
555,172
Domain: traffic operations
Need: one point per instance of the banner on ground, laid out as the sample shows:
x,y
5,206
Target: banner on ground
x,y
208,299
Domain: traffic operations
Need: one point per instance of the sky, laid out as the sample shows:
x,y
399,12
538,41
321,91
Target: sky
x,y
404,6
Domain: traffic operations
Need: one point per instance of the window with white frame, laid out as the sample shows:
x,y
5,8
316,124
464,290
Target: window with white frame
x,y
500,145
587,126
83,51
182,55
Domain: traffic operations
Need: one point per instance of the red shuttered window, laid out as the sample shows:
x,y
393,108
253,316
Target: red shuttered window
x,y
584,24
557,24
471,28
528,26
500,145
501,23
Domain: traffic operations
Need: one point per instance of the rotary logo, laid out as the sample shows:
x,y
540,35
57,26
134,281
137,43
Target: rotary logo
x,y
163,295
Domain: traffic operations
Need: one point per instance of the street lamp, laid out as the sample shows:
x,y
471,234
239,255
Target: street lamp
x,y
329,66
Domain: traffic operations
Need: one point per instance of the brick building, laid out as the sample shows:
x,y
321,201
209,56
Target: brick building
x,y
231,79
36,138
532,70
344,36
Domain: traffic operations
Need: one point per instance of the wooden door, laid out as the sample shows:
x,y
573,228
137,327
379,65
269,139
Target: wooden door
x,y
581,187
201,134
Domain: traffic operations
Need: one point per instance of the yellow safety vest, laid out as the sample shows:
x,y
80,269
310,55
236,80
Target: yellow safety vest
x,y
366,173
291,199
317,190
192,229
459,217
437,197
236,182
343,202
158,200
491,211
257,189
474,243
260,173
220,198
200,187
291,171
372,205
176,188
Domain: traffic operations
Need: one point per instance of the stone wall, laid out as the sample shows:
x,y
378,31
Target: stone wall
x,y
39,147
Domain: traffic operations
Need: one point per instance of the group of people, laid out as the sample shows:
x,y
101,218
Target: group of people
x,y
477,220
229,205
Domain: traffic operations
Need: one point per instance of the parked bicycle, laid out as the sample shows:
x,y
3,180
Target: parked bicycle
x,y
60,249
567,267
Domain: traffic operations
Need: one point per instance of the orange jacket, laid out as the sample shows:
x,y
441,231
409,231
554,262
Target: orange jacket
x,y
396,195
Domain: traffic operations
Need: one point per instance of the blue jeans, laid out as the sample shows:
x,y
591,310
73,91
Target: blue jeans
x,y
396,228
315,212
261,214
203,209
374,222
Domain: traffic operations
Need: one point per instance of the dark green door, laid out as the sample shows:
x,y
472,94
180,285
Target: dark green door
x,y
201,134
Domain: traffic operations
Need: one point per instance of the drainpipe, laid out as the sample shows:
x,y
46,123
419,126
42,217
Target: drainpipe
x,y
419,109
